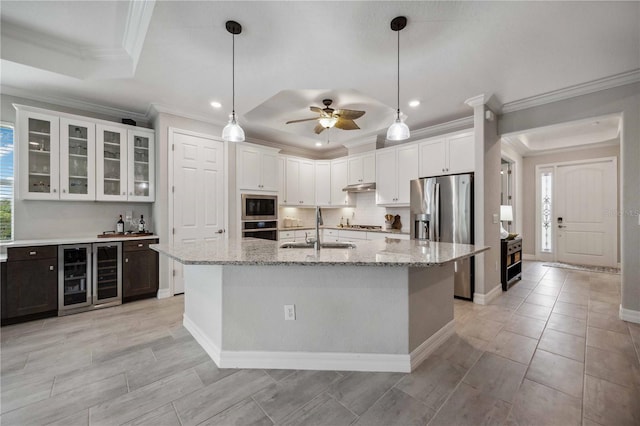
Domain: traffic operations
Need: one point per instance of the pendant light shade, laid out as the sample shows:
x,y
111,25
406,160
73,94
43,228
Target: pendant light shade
x,y
398,131
232,132
328,122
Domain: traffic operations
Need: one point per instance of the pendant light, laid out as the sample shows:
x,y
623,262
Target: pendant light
x,y
398,131
232,132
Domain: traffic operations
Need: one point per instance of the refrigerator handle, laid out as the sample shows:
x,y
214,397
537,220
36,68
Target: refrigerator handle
x,y
436,212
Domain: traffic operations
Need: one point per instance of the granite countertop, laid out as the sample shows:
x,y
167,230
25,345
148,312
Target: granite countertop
x,y
345,228
72,240
387,252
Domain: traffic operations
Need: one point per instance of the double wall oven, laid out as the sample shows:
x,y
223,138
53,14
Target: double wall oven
x,y
260,216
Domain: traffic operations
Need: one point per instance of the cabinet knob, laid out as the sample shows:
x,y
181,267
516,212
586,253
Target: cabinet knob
x,y
33,253
140,245
64,191
51,267
131,193
124,193
126,260
55,190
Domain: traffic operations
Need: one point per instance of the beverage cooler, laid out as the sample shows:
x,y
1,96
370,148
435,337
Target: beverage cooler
x,y
90,276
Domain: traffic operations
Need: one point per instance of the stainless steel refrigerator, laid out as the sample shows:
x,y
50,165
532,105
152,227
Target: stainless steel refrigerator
x,y
442,210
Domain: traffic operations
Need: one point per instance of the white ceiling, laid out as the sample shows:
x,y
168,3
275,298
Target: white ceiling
x,y
596,131
177,55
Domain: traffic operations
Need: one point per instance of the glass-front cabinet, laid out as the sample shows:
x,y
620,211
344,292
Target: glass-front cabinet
x,y
39,153
141,170
77,160
111,163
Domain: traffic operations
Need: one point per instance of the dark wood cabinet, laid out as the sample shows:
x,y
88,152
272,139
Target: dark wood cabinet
x,y
30,289
511,255
139,270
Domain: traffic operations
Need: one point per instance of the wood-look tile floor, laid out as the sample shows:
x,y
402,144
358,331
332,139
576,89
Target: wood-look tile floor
x,y
550,351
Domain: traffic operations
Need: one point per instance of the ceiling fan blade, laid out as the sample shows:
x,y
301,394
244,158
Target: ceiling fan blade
x,y
345,124
349,114
300,121
318,129
316,109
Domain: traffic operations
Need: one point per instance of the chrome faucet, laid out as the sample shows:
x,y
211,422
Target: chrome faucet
x,y
316,245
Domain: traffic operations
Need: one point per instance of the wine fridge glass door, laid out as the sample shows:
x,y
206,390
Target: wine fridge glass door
x,y
107,279
74,281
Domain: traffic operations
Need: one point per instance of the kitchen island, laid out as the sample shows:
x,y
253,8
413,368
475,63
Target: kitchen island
x,y
382,306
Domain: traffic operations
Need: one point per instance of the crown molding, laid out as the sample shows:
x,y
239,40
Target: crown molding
x,y
476,100
75,104
369,139
157,108
137,25
438,129
616,80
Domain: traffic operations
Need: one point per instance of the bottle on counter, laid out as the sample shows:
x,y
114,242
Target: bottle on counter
x,y
120,226
141,224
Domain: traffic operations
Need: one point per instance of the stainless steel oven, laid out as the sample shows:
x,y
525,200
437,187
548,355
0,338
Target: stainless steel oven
x,y
263,229
259,207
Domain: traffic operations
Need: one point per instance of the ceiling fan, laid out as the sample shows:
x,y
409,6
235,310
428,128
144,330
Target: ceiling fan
x,y
329,117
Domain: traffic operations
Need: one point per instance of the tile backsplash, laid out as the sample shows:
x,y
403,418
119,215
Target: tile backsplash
x,y
366,212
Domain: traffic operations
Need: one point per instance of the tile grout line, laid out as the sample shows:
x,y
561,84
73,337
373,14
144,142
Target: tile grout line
x,y
259,406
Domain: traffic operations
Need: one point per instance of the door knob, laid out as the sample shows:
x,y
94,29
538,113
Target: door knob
x,y
561,226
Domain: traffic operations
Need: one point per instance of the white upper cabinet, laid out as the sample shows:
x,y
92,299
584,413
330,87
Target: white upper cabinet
x,y
323,183
111,163
38,153
362,168
395,168
448,154
340,179
141,171
299,182
67,157
77,160
257,168
461,153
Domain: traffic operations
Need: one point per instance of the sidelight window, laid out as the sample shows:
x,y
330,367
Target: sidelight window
x,y
546,211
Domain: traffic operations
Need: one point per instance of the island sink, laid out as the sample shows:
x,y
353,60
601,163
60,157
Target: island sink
x,y
303,244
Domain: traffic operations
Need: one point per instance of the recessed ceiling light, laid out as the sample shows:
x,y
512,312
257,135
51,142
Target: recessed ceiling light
x,y
318,143
216,104
414,103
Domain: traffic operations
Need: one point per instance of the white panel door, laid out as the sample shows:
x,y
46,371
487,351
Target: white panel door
x,y
198,194
292,184
270,176
585,221
77,160
249,168
355,170
111,163
307,184
339,179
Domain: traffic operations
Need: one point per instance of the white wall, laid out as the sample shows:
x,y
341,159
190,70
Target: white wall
x,y
516,186
55,219
625,100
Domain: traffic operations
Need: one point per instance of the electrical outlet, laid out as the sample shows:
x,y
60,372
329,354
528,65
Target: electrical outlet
x,y
290,312
128,216
495,218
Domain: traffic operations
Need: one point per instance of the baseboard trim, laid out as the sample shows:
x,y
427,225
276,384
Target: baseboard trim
x,y
419,354
207,344
485,299
164,293
316,361
629,315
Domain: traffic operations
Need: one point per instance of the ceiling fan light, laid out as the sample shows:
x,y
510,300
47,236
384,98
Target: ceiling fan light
x,y
398,131
232,132
328,122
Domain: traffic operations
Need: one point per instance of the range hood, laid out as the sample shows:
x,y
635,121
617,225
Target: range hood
x,y
360,187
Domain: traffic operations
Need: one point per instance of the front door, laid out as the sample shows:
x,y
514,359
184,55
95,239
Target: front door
x,y
585,214
198,193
